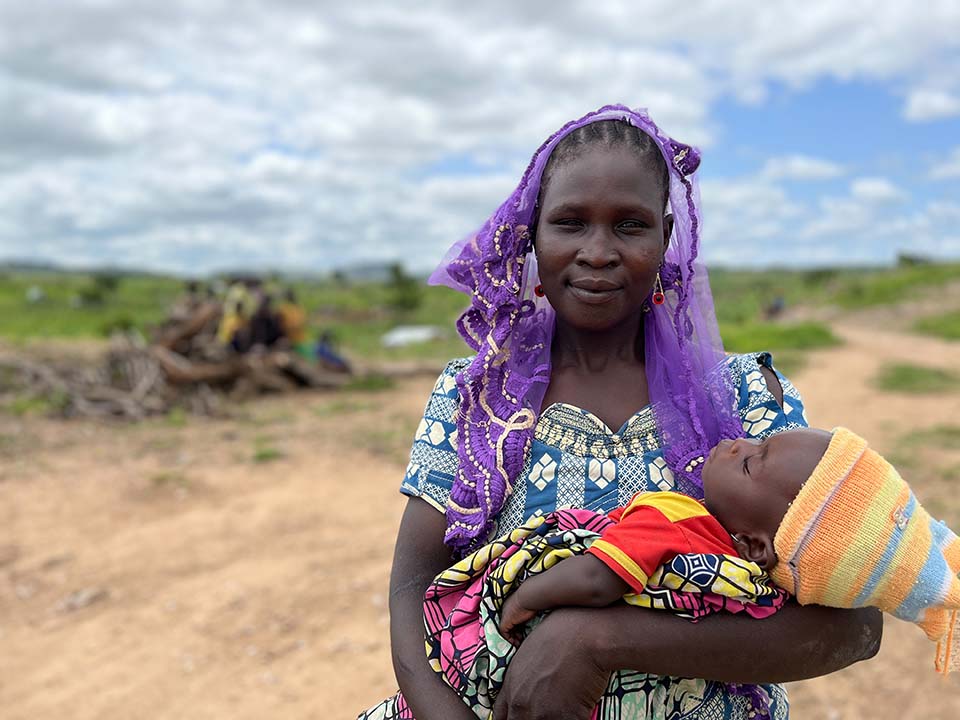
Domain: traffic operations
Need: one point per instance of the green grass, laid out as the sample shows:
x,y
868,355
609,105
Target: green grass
x,y
787,343
359,313
928,459
746,337
176,418
905,378
34,404
8,444
169,478
883,287
946,437
342,406
137,302
373,382
946,326
264,451
741,295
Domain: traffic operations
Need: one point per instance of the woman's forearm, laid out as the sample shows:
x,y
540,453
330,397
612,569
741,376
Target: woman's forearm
x,y
794,644
418,556
427,695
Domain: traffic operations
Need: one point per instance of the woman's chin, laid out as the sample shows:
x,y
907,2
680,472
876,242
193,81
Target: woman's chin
x,y
599,318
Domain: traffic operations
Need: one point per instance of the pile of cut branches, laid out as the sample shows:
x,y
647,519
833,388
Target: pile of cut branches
x,y
184,366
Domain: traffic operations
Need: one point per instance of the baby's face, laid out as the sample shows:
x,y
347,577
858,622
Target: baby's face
x,y
748,484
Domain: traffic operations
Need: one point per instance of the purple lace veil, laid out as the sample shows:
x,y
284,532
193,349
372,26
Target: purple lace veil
x,y
511,329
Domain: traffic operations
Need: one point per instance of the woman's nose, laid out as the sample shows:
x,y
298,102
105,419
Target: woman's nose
x,y
598,249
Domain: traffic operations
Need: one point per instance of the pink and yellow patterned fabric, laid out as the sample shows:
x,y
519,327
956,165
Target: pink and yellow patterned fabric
x,y
462,606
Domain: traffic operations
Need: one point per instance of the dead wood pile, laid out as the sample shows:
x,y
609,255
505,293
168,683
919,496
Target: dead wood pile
x,y
185,366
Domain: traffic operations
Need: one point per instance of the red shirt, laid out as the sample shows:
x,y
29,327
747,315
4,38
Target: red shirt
x,y
654,528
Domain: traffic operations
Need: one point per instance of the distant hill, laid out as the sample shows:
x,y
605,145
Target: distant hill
x,y
30,266
26,267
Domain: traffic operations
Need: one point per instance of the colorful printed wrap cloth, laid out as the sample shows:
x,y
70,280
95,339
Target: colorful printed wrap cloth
x,y
462,606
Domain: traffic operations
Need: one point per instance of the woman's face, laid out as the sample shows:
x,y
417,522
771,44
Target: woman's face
x,y
601,237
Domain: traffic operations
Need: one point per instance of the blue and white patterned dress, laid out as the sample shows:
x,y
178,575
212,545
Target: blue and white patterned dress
x,y
575,460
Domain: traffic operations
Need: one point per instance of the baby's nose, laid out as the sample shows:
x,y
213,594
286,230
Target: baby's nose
x,y
725,446
742,443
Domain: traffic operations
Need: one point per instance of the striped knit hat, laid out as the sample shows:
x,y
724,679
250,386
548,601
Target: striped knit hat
x,y
856,536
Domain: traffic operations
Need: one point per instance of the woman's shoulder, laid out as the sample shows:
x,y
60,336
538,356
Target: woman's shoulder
x,y
457,364
754,364
767,401
445,397
433,455
447,381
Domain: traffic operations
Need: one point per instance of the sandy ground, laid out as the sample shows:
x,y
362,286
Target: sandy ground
x,y
238,568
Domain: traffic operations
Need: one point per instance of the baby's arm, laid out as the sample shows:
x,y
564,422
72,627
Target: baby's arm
x,y
646,533
582,581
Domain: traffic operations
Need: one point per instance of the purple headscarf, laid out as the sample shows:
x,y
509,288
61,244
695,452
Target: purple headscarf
x,y
511,330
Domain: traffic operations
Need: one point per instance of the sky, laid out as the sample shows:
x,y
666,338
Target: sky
x,y
189,136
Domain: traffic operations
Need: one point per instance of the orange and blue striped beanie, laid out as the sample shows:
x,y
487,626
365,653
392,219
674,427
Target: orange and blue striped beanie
x,y
856,536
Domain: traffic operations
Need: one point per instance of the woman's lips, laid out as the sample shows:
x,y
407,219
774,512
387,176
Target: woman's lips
x,y
594,291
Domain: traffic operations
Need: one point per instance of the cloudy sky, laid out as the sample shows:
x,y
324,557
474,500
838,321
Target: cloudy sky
x,y
194,135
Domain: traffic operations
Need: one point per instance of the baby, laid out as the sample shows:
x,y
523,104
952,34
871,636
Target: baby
x,y
826,518
829,519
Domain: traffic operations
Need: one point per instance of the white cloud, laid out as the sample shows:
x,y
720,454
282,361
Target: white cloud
x,y
752,221
931,105
801,167
949,168
875,190
196,135
746,221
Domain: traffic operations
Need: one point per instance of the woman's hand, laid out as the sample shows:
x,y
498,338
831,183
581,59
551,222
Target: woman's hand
x,y
553,674
513,616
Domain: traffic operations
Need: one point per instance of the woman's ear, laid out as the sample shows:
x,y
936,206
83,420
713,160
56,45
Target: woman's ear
x,y
758,548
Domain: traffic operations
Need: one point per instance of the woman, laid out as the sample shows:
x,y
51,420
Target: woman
x,y
590,311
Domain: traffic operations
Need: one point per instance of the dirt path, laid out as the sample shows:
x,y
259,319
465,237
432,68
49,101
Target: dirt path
x,y
215,569
836,387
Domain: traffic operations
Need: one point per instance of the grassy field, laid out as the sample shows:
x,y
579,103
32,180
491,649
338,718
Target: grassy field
x,y
741,295
914,379
77,305
946,326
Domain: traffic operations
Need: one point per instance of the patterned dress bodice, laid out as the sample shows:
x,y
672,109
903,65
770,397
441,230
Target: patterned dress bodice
x,y
575,460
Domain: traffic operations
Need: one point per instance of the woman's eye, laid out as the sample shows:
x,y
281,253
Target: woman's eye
x,y
633,225
569,223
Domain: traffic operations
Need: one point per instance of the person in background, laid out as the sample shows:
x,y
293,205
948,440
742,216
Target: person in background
x,y
293,323
264,327
237,309
325,353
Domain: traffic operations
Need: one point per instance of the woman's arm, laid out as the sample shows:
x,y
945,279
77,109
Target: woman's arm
x,y
797,643
574,650
419,556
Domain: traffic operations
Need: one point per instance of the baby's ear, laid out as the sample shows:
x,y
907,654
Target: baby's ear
x,y
758,548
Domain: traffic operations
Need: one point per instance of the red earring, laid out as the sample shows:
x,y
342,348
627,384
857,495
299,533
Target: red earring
x,y
538,290
658,296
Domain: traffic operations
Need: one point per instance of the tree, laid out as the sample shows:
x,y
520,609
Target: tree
x,y
405,293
